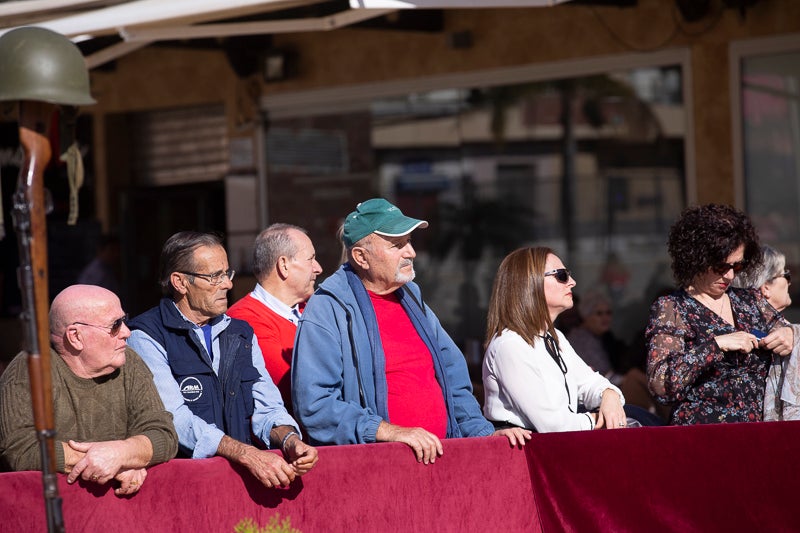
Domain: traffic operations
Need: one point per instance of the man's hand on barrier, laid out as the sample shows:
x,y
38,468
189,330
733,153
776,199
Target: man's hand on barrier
x,y
301,456
427,446
268,467
102,461
130,481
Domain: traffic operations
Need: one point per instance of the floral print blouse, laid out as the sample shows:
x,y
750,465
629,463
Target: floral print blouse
x,y
686,368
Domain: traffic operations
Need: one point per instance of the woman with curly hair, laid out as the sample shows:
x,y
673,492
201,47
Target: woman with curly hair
x,y
531,375
709,344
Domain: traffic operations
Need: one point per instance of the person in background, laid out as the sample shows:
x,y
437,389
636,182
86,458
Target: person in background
x,y
371,361
286,267
102,270
709,344
109,420
782,393
771,278
209,369
531,375
593,340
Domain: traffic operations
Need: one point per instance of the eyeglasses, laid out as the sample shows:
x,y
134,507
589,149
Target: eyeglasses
x,y
213,279
113,329
723,268
786,274
562,275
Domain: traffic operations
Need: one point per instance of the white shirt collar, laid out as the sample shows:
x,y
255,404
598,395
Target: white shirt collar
x,y
292,314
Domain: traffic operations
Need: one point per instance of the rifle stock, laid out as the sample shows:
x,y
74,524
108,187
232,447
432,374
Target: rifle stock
x,y
31,226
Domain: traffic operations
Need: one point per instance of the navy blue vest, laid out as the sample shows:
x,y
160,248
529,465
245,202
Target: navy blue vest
x,y
225,400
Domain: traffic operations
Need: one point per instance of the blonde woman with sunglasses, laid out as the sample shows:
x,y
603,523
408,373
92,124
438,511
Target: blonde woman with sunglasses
x,y
710,344
531,375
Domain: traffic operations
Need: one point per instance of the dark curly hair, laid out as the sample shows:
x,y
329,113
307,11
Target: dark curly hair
x,y
705,236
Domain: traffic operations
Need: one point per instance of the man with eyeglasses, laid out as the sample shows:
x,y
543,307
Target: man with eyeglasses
x,y
371,361
109,419
209,369
286,267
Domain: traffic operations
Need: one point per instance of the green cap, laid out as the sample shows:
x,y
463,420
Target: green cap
x,y
378,216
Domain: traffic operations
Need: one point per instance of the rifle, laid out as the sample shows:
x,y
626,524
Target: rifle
x,y
31,226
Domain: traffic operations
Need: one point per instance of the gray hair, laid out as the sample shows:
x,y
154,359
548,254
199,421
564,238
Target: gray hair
x,y
590,301
177,255
347,251
346,255
773,265
270,245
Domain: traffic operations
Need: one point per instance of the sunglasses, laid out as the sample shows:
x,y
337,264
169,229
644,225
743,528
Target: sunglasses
x,y
786,274
113,329
562,275
723,268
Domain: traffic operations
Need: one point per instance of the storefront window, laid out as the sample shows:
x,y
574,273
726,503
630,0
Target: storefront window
x,y
592,167
770,97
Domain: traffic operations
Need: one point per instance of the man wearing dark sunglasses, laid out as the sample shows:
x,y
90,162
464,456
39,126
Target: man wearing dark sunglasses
x,y
109,419
209,369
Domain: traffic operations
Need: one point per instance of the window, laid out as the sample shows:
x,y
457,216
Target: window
x,y
768,114
593,166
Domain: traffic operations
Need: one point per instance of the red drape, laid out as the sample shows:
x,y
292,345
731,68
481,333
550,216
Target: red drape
x,y
374,487
724,477
737,477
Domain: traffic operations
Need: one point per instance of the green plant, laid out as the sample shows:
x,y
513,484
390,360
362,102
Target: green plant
x,y
275,525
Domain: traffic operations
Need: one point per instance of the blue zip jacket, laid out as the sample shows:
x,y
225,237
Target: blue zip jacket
x,y
338,367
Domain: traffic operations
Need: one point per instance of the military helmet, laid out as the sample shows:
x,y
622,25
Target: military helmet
x,y
42,65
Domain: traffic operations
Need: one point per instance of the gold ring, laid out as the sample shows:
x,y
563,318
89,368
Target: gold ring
x,y
94,478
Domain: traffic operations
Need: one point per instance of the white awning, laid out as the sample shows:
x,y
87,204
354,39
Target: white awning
x,y
108,19
141,22
437,4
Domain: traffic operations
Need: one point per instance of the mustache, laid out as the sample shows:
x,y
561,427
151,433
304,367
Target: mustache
x,y
406,262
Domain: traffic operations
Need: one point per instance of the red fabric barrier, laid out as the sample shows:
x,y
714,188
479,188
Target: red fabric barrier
x,y
478,484
734,477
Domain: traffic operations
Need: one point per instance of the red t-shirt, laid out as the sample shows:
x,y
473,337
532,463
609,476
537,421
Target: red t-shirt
x,y
415,397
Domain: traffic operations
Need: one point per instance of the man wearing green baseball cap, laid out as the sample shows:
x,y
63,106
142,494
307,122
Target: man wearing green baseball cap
x,y
371,361
378,216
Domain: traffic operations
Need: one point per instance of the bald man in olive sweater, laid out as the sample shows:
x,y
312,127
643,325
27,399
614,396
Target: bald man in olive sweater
x,y
109,419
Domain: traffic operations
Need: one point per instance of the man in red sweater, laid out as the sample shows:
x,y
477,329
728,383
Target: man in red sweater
x,y
285,266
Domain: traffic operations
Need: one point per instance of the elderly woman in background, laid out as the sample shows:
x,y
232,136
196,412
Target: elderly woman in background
x,y
593,339
531,375
773,280
710,345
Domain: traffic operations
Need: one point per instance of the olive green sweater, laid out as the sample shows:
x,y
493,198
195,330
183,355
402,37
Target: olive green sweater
x,y
117,406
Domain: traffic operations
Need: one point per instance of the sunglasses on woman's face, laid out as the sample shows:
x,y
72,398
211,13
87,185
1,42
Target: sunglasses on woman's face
x,y
786,274
562,275
723,268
